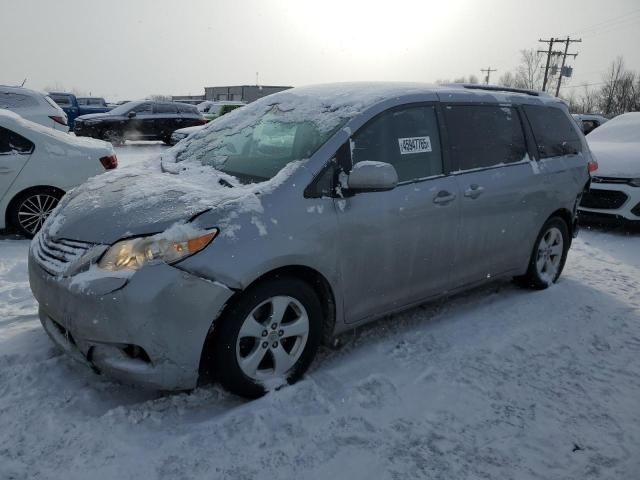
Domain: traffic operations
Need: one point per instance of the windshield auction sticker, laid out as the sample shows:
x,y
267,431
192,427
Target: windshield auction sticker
x,y
414,145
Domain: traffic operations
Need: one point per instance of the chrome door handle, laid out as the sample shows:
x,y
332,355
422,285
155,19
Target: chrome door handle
x,y
443,197
474,191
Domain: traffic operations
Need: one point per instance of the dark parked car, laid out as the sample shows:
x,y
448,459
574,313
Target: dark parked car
x,y
74,108
143,120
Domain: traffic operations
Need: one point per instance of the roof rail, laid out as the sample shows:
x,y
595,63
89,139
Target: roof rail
x,y
496,88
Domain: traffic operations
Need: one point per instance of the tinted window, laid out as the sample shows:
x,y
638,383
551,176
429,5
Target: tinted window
x,y
165,108
142,109
62,100
484,135
11,142
83,101
16,100
407,138
554,132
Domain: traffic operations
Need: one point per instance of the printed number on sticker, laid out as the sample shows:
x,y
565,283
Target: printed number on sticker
x,y
414,145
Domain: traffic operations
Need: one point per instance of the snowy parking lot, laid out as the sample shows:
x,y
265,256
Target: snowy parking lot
x,y
498,383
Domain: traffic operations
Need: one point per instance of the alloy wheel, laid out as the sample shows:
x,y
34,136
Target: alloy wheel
x,y
34,210
549,255
272,338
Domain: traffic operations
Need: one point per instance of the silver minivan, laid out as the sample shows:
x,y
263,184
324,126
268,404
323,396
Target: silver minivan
x,y
302,215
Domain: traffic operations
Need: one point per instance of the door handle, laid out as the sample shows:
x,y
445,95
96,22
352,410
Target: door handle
x,y
474,191
443,197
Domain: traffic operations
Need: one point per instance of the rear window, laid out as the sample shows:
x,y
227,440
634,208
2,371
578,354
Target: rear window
x,y
554,133
62,100
484,135
13,101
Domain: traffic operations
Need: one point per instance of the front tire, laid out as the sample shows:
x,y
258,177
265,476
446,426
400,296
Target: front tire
x,y
549,255
267,337
115,138
30,210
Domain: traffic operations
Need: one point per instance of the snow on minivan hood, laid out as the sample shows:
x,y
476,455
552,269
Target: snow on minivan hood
x,y
616,147
149,198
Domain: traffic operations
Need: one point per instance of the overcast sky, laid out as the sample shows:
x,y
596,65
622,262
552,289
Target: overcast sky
x,y
130,49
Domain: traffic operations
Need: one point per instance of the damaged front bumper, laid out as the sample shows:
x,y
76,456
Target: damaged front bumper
x,y
147,330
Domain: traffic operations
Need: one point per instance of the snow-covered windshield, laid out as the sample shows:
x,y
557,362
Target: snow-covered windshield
x,y
624,128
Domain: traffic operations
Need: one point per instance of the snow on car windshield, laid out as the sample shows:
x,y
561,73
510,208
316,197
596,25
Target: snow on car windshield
x,y
255,142
624,128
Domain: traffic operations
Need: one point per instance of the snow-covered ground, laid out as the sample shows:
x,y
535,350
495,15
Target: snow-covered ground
x,y
499,383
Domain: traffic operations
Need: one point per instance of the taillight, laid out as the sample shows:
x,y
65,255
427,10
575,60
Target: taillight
x,y
110,162
60,120
592,166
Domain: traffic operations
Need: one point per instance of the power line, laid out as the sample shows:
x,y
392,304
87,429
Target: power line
x,y
613,19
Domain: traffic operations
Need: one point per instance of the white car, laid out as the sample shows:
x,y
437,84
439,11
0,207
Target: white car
x,y
35,106
38,165
615,187
589,122
183,133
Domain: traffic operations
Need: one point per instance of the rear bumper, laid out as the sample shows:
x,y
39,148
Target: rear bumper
x,y
147,330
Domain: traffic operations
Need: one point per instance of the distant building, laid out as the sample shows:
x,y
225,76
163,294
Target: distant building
x,y
242,93
192,99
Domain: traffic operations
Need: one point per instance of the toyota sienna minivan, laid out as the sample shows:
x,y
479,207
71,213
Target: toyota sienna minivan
x,y
302,215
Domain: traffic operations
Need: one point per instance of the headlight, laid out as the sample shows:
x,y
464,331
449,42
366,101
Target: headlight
x,y
635,182
171,246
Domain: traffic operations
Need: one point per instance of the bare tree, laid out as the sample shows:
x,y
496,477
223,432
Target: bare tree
x,y
160,98
507,79
589,100
608,90
529,73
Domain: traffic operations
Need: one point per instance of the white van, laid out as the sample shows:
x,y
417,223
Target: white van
x,y
35,106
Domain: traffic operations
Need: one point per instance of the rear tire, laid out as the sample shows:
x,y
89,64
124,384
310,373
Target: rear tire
x,y
549,255
115,138
30,209
267,337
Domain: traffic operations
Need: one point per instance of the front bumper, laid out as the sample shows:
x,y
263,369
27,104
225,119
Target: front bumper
x,y
84,130
619,200
176,137
160,310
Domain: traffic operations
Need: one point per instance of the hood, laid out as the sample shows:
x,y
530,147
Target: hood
x,y
145,199
616,159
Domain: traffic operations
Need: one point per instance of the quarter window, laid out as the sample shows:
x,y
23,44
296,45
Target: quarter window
x,y
554,133
11,142
407,138
484,135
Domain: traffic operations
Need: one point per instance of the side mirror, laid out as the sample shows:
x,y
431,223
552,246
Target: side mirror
x,y
372,177
131,114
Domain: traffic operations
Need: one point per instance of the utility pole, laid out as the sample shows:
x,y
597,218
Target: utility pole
x,y
546,67
564,59
488,72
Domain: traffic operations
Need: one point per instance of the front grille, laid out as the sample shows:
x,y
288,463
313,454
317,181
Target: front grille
x,y
603,199
610,180
56,255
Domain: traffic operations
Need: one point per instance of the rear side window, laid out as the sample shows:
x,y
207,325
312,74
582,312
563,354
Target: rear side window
x,y
12,101
484,135
164,108
190,109
11,142
407,138
554,133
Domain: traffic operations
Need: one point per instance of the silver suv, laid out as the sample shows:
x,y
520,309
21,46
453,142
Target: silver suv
x,y
302,215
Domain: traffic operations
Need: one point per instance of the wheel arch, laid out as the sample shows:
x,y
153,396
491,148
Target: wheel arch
x,y
565,215
316,280
32,189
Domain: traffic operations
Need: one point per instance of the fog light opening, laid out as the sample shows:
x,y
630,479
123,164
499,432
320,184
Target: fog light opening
x,y
136,352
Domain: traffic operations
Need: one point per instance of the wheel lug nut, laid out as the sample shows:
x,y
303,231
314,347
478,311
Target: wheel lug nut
x,y
275,345
281,333
265,344
264,333
274,326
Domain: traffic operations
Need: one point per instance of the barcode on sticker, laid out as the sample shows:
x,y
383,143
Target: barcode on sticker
x,y
414,145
